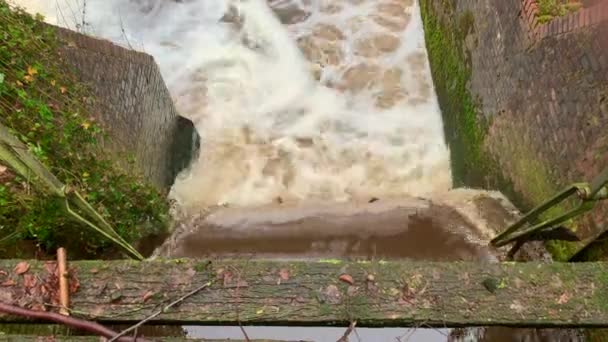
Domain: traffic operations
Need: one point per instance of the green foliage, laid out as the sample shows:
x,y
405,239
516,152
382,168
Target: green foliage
x,y
549,9
49,111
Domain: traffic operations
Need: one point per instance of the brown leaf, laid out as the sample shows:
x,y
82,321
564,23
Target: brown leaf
x,y
3,169
29,281
9,282
22,267
284,274
3,273
347,279
148,295
74,284
51,267
564,298
63,89
38,307
94,270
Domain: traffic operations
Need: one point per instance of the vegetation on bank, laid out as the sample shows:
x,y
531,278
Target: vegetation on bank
x,y
48,110
549,9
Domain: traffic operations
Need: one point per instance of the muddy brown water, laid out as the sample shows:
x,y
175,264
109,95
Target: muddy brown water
x,y
399,229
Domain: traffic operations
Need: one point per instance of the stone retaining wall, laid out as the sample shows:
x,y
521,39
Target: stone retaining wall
x,y
540,97
134,106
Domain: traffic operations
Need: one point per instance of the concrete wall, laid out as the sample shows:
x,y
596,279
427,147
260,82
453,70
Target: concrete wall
x,y
133,104
539,92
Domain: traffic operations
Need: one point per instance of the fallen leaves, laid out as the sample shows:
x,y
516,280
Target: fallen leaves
x,y
564,298
284,274
21,267
347,278
147,295
9,282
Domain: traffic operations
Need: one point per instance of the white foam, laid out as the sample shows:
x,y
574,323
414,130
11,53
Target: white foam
x,y
251,105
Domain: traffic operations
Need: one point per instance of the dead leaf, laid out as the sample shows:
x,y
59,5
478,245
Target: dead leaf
x,y
31,71
9,282
148,295
3,169
74,284
63,90
53,82
94,270
22,267
29,281
51,267
564,298
347,279
3,273
284,274
38,307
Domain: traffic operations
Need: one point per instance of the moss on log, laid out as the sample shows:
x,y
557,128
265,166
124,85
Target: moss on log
x,y
320,292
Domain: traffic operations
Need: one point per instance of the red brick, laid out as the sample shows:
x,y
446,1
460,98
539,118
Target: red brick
x,y
584,13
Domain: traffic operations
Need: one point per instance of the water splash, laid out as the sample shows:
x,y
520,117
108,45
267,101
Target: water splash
x,y
336,105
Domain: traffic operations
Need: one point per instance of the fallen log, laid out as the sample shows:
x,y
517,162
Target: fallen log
x,y
323,292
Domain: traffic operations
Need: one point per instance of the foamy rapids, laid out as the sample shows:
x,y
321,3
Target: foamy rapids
x,y
293,100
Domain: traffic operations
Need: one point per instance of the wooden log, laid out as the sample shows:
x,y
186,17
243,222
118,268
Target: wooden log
x,y
273,292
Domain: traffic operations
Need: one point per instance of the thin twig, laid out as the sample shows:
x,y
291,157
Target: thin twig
x,y
122,28
157,313
350,329
72,322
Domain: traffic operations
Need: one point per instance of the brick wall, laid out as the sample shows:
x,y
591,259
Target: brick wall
x,y
542,91
134,106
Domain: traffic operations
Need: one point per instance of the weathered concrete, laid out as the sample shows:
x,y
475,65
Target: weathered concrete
x,y
133,105
540,94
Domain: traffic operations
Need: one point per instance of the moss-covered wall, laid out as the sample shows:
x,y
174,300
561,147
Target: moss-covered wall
x,y
523,114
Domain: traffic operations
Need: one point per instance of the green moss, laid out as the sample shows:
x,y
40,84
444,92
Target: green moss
x,y
48,110
464,131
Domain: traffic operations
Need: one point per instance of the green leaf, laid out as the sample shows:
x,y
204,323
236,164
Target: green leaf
x,y
1,78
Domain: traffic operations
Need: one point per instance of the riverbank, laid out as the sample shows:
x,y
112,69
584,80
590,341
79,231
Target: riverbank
x,y
48,109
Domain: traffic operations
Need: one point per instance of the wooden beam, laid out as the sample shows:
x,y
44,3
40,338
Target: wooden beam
x,y
318,292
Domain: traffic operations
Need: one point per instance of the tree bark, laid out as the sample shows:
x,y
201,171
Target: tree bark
x,y
294,293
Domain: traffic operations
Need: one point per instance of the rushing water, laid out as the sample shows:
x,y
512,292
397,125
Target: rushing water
x,y
336,104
